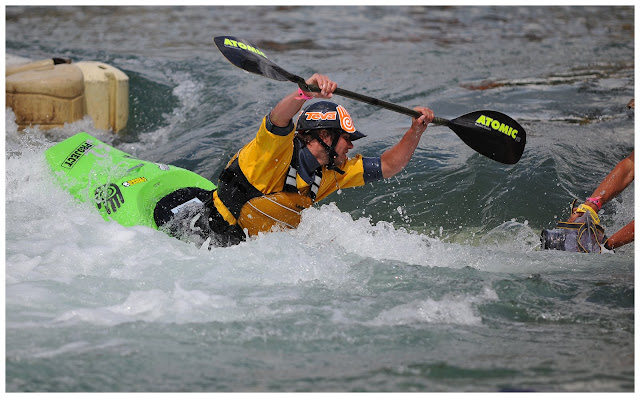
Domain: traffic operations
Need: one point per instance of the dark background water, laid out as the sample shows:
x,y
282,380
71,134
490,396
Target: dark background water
x,y
430,281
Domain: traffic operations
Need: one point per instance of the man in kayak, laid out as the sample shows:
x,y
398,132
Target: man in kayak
x,y
286,167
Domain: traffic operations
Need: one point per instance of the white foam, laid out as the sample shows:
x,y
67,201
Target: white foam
x,y
450,309
445,311
144,275
155,305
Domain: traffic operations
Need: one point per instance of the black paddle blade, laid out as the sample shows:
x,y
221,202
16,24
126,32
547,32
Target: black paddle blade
x,y
247,56
492,134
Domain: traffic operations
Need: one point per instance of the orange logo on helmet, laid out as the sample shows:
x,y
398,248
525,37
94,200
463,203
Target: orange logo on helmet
x,y
321,115
345,120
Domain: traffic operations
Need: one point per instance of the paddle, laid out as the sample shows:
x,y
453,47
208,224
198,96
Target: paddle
x,y
490,133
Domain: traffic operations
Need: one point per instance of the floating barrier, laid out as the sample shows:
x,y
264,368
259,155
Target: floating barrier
x,y
52,92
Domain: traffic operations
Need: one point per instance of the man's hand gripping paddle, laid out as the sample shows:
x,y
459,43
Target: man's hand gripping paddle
x,y
490,133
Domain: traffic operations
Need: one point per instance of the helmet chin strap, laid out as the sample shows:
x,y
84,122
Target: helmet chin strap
x,y
331,151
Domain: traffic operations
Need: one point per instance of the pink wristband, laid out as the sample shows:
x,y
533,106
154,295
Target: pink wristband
x,y
302,96
596,201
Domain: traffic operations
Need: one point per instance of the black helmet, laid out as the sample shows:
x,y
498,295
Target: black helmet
x,y
327,115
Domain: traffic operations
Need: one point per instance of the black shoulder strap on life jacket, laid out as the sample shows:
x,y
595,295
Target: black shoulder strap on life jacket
x,y
290,183
234,190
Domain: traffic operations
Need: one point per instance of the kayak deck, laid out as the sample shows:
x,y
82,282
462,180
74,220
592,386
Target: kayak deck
x,y
123,188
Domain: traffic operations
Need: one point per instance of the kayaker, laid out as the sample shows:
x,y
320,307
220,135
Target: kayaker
x,y
287,167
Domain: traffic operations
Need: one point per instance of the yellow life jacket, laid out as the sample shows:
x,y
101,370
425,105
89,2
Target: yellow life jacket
x,y
279,210
258,212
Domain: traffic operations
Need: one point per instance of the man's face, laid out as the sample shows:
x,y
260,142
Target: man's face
x,y
342,147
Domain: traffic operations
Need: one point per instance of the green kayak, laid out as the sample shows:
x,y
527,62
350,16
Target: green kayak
x,y
124,189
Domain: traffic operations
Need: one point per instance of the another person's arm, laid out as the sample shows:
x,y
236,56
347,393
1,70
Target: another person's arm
x,y
622,237
618,179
